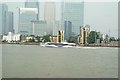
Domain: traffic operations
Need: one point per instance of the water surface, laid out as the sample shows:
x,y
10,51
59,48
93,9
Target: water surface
x,y
26,61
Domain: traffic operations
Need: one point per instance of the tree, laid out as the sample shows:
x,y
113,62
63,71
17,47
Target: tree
x,y
92,37
31,40
32,35
118,39
112,39
46,38
38,38
73,39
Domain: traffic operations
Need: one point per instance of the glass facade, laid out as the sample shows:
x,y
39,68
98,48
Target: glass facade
x,y
26,15
33,4
3,19
74,12
67,29
39,28
49,16
10,22
56,27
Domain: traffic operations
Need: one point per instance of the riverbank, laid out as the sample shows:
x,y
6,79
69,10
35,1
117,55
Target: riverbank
x,y
34,43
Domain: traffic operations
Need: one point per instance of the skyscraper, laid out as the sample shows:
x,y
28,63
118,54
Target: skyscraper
x,y
32,4
119,20
56,27
26,15
3,18
73,12
39,28
67,29
49,15
6,20
9,22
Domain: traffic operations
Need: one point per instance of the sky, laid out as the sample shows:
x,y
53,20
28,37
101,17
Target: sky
x,y
101,15
64,0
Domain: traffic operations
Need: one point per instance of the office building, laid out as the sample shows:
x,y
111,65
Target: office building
x,y
39,28
32,4
3,18
98,38
56,27
26,15
67,29
99,35
10,22
105,37
6,20
49,15
73,12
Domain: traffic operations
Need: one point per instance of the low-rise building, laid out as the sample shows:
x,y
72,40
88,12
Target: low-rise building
x,y
58,38
11,37
23,38
53,39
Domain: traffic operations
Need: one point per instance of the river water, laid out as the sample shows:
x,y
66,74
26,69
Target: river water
x,y
33,61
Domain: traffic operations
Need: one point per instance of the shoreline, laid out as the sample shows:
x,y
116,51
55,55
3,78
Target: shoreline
x,y
78,46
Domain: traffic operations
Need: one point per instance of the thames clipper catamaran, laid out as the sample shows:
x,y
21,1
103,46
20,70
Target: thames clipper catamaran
x,y
63,44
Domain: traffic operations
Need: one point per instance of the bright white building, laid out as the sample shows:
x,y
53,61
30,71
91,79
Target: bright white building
x,y
11,37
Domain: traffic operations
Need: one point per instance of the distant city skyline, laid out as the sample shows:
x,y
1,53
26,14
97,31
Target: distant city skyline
x,y
93,15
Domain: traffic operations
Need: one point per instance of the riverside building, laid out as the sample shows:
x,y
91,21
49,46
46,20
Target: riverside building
x,y
84,33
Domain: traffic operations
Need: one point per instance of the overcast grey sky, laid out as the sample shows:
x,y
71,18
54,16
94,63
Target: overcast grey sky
x,y
100,15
